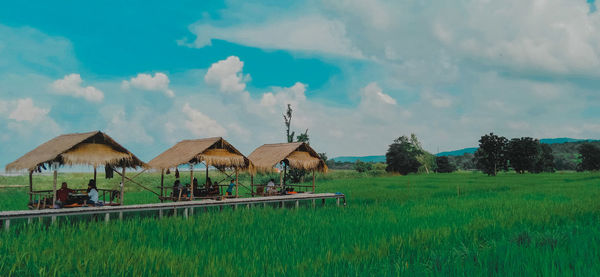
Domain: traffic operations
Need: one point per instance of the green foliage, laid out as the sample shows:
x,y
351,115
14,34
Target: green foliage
x,y
491,155
443,165
523,154
402,156
590,157
416,225
545,159
362,166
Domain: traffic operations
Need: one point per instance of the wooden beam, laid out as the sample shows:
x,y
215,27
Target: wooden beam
x,y
30,185
54,187
162,184
313,180
95,176
191,182
251,184
236,182
122,184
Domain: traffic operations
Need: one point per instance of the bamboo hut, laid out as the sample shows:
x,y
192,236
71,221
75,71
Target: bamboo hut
x,y
215,152
298,155
90,149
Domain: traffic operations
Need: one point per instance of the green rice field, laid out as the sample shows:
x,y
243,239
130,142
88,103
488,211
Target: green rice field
x,y
465,224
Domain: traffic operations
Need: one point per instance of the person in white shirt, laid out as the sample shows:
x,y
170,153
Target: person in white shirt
x,y
92,193
271,186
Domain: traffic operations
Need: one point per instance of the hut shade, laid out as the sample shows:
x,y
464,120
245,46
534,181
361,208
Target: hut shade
x,y
215,151
71,149
297,154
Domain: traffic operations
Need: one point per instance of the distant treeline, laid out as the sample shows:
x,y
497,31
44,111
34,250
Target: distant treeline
x,y
495,154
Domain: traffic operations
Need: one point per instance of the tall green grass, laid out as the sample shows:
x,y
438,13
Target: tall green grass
x,y
547,224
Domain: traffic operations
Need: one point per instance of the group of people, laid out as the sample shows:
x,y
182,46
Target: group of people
x,y
67,196
210,188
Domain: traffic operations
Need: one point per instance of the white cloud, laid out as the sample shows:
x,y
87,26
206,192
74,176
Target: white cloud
x,y
158,82
71,85
227,75
305,33
201,125
26,111
437,100
127,129
372,92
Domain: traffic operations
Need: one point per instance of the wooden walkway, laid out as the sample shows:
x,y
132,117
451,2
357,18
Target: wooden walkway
x,y
187,206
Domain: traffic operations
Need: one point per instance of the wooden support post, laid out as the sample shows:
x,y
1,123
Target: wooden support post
x,y
323,202
281,204
53,220
314,203
41,219
220,208
6,224
31,186
160,214
122,184
191,211
337,201
162,184
251,185
206,163
185,213
174,212
234,207
297,204
248,206
313,180
95,176
264,204
54,186
191,182
120,215
236,182
29,220
107,218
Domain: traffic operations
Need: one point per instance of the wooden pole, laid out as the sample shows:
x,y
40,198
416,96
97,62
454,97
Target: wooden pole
x,y
252,184
95,175
205,162
122,184
54,186
30,185
313,181
236,182
191,182
162,184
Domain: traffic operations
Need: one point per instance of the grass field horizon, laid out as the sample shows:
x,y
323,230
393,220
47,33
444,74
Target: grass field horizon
x,y
512,224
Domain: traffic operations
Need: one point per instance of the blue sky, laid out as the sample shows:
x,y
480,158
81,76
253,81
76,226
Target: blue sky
x,y
358,73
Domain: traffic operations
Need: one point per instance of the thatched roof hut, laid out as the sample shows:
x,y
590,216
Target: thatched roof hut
x,y
297,155
215,152
93,148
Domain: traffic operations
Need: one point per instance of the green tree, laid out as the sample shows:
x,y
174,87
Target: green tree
x,y
590,157
444,165
522,154
426,159
362,166
491,155
545,159
287,118
402,156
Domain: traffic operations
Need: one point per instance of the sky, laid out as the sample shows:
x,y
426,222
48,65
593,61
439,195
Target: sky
x,y
357,73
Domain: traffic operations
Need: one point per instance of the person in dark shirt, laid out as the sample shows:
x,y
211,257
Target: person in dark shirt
x,y
62,195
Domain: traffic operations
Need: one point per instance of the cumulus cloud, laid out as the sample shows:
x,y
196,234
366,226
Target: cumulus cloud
x,y
126,129
373,93
158,82
71,85
305,33
25,110
437,100
227,75
200,124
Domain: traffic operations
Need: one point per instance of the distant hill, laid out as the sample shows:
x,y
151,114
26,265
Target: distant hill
x,y
352,159
460,152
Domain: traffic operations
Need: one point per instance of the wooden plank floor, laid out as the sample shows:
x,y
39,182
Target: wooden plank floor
x,y
7,215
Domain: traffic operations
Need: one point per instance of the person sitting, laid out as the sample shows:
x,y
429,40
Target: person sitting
x,y
229,190
62,195
271,186
177,188
92,193
214,188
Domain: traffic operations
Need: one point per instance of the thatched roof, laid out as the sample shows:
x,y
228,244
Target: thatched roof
x,y
93,148
216,152
297,155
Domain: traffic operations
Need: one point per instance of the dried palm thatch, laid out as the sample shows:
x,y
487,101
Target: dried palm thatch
x,y
92,148
297,155
214,151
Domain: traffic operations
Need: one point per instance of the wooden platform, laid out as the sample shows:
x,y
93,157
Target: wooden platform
x,y
185,205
